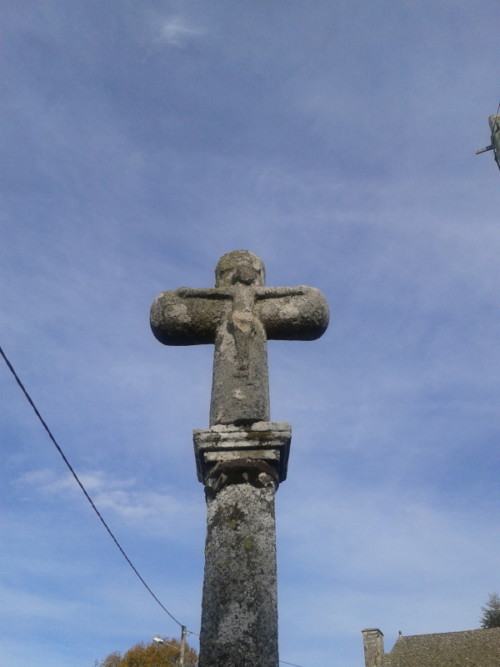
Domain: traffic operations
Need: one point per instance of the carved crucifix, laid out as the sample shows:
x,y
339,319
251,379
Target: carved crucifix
x,y
238,316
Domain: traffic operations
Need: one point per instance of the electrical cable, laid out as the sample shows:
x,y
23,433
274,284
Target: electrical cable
x,y
110,532
84,490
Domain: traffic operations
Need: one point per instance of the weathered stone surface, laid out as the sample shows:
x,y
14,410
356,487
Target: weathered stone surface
x,y
262,441
239,617
242,457
241,467
238,316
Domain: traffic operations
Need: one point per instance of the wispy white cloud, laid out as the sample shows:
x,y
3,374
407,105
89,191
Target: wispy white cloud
x,y
122,499
176,31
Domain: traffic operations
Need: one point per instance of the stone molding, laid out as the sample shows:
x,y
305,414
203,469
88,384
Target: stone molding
x,y
255,453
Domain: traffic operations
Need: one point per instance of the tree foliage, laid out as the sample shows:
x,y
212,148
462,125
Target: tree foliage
x,y
491,612
151,655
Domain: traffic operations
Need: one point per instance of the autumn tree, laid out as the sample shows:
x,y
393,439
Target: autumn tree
x,y
151,655
491,612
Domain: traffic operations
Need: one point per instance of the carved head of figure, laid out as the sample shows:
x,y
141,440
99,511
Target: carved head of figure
x,y
239,266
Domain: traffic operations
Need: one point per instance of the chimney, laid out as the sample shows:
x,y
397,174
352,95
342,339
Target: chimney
x,y
373,644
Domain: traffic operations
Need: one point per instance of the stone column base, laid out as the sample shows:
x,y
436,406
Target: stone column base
x,y
241,467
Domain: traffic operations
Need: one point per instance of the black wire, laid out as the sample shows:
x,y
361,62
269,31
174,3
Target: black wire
x,y
44,424
30,401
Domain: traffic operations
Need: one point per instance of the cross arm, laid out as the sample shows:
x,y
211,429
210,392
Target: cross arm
x,y
293,313
187,316
207,293
276,292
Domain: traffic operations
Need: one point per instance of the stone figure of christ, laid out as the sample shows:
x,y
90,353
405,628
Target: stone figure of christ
x,y
238,316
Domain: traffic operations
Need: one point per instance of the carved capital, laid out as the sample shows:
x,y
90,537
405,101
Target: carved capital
x,y
255,454
241,471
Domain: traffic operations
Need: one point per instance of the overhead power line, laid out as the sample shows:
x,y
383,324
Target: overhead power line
x,y
86,494
63,456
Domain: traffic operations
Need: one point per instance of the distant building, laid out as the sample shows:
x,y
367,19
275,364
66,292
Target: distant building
x,y
470,648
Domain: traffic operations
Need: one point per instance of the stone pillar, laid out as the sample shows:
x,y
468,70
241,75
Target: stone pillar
x,y
373,644
241,467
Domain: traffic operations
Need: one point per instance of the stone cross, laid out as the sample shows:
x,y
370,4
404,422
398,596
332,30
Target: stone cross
x,y
242,457
239,315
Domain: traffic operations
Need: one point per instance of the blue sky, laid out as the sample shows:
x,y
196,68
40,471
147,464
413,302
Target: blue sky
x,y
336,141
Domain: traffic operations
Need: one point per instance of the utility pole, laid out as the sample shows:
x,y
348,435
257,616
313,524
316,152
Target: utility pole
x,y
183,646
494,123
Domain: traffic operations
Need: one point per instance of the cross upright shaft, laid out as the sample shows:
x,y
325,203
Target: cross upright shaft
x,y
239,315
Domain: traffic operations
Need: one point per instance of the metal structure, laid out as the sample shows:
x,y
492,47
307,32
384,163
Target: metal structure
x,y
494,122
